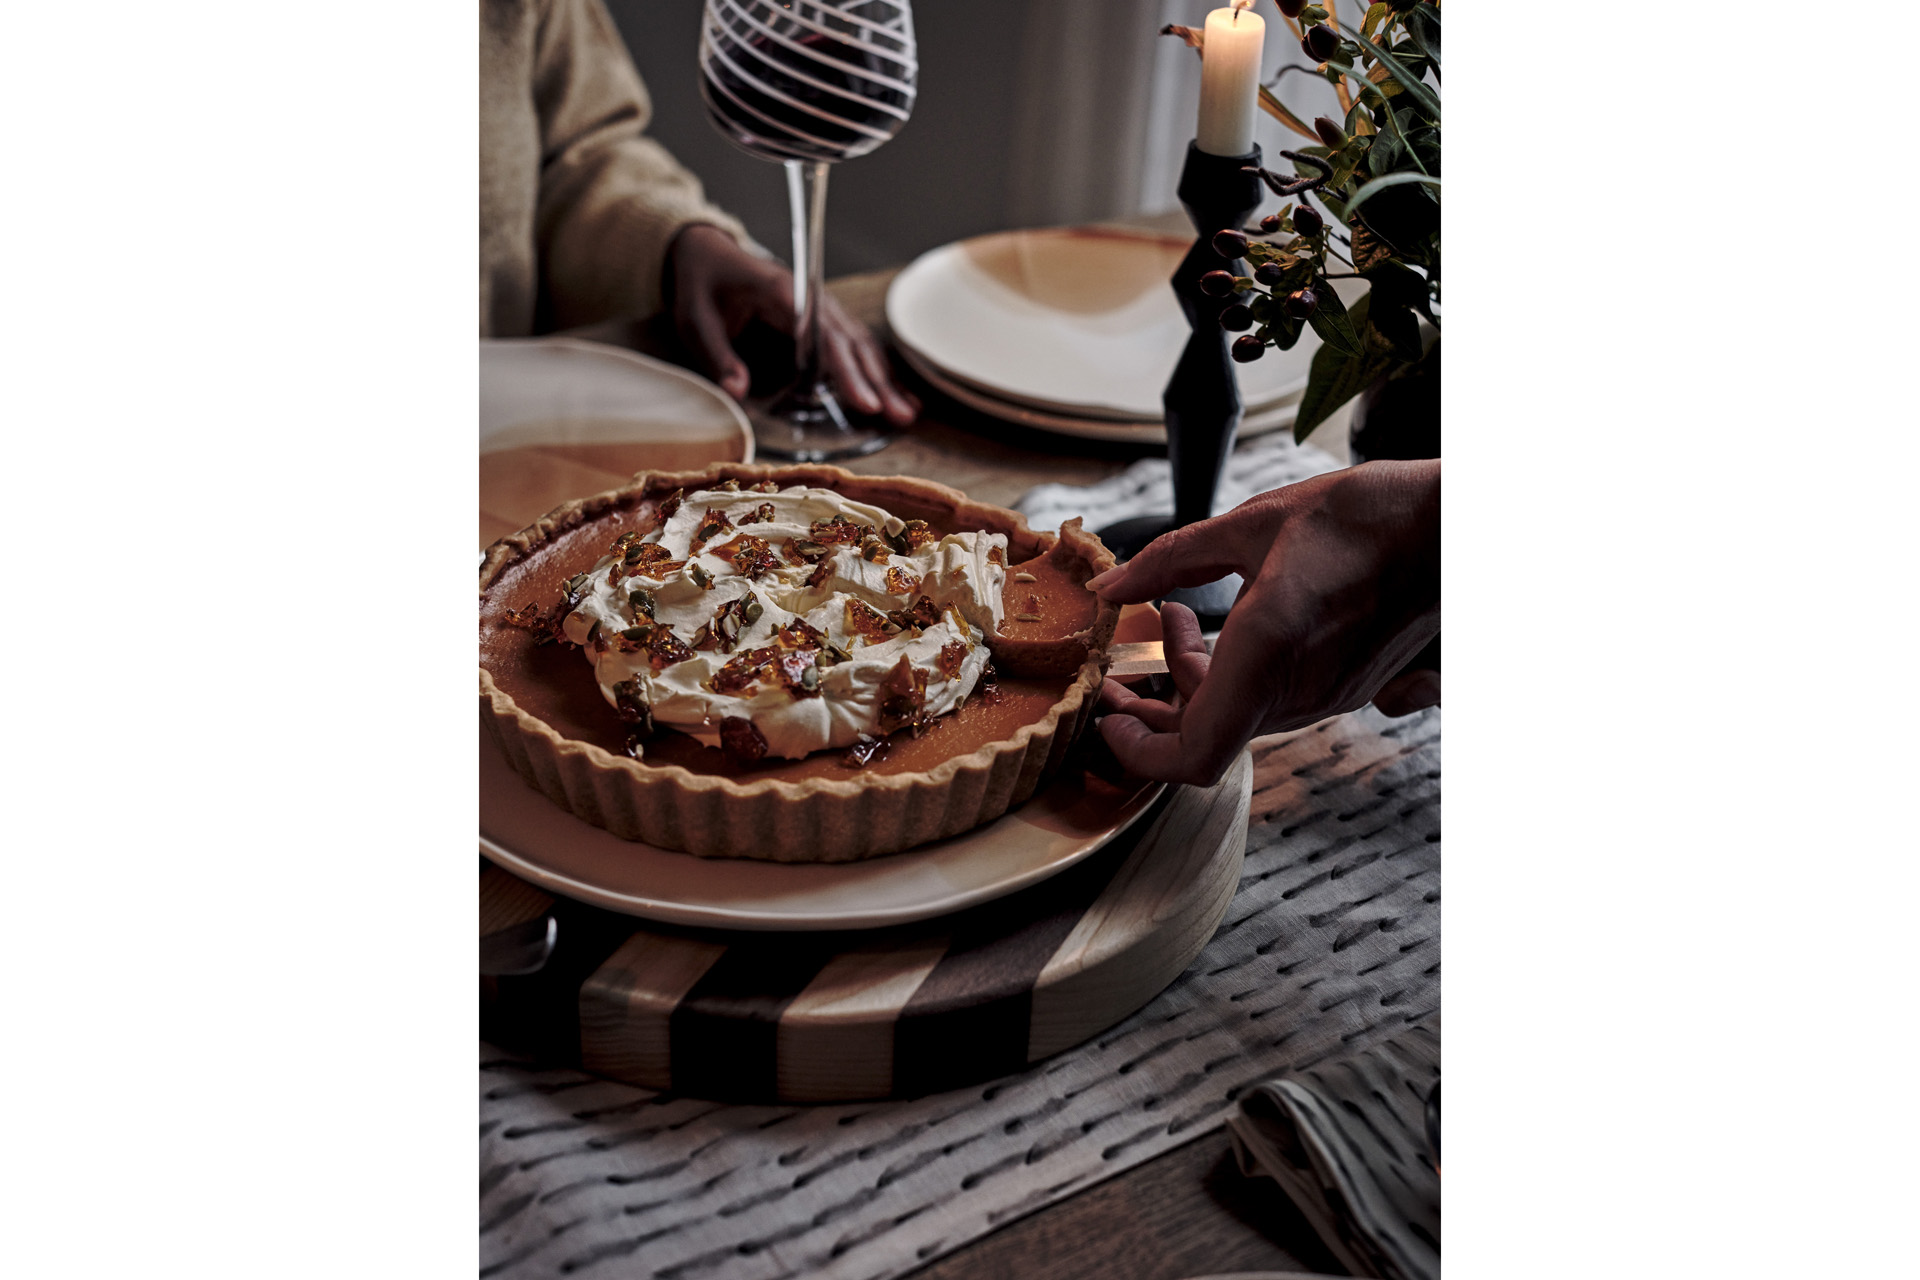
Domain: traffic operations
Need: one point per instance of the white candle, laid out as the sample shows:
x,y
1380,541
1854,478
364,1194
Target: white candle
x,y
1230,81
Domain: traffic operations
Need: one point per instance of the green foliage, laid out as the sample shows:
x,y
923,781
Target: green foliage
x,y
1383,198
1338,377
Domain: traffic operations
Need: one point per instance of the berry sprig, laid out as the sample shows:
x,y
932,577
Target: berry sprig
x,y
1289,286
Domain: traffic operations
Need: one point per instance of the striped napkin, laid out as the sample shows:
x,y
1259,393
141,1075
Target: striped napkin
x,y
1346,1139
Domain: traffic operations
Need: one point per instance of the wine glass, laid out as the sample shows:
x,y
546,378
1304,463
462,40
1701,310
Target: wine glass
x,y
808,83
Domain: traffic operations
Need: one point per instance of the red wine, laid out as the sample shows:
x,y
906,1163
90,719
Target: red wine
x,y
831,99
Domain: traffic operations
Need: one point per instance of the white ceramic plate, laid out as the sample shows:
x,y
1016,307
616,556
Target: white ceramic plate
x,y
1078,321
1142,433
565,391
523,831
561,419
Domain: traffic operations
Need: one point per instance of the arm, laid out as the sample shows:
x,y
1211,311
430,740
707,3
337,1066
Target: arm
x,y
611,200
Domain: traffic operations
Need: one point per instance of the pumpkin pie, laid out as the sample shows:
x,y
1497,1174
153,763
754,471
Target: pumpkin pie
x,y
793,663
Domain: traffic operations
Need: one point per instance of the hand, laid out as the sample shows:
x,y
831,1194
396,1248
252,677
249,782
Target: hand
x,y
1342,589
718,287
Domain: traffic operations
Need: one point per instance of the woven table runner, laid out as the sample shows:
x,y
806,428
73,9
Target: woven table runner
x,y
1146,487
1332,944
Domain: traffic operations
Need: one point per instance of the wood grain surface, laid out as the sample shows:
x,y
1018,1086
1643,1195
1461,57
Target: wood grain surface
x,y
1184,1214
810,1017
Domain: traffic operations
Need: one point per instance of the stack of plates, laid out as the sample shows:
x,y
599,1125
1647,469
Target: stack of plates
x,y
1070,329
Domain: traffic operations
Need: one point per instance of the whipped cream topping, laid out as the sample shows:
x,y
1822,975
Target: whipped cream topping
x,y
828,679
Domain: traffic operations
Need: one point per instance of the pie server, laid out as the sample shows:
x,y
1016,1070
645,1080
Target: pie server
x,y
1139,658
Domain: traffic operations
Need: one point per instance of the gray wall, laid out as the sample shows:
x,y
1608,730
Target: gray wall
x,y
943,177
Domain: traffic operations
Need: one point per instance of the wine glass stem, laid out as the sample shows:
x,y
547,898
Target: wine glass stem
x,y
807,197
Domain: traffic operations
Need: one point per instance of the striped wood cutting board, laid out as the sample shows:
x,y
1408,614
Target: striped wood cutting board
x,y
823,1017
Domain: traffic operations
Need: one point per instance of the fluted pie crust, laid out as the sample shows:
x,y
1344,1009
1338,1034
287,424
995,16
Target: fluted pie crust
x,y
819,819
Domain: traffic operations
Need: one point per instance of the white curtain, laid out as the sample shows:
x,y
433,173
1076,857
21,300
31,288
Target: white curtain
x,y
1108,106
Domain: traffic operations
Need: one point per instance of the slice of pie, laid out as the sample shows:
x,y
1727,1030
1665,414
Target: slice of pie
x,y
793,663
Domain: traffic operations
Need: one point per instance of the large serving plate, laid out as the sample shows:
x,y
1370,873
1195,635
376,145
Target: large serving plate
x,y
560,417
1072,321
521,830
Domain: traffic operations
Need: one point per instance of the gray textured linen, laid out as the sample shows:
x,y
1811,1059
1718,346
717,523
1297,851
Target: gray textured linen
x,y
1146,487
1331,944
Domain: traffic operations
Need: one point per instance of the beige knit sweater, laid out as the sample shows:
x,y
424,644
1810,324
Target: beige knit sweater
x,y
577,205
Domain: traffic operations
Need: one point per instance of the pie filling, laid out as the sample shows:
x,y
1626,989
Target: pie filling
x,y
782,632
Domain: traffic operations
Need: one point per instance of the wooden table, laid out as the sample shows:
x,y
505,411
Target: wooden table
x,y
1187,1212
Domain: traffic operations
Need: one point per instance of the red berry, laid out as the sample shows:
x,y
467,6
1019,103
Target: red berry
x,y
1320,43
1291,8
1247,348
1230,243
1217,284
1270,223
1330,133
1301,302
1306,221
1237,317
1269,274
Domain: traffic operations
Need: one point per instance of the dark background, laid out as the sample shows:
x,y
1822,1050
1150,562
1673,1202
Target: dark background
x,y
944,176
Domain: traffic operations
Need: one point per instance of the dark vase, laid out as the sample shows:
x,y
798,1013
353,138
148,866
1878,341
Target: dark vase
x,y
1399,416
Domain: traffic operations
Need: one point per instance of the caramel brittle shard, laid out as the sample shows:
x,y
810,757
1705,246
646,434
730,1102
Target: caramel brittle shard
x,y
900,582
800,634
666,510
712,525
923,613
744,671
665,648
630,701
739,739
918,534
952,658
996,556
647,560
762,514
866,622
838,529
804,551
903,698
766,486
864,752
750,556
543,623
874,550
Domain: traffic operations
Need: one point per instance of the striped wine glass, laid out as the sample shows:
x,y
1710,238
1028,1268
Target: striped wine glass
x,y
808,83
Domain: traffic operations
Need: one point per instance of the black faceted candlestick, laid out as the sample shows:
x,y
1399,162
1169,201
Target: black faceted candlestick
x,y
1202,399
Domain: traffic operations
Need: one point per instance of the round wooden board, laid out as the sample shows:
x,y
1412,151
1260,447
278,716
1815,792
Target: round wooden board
x,y
831,1017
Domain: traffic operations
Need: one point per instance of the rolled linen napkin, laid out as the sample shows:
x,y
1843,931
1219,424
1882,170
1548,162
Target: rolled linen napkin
x,y
1347,1141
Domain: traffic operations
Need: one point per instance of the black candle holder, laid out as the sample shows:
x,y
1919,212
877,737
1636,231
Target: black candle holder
x,y
1202,399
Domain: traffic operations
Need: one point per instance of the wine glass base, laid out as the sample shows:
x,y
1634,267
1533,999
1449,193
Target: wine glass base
x,y
801,425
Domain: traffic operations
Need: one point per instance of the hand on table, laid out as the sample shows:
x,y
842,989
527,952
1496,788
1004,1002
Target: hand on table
x,y
718,287
1342,589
